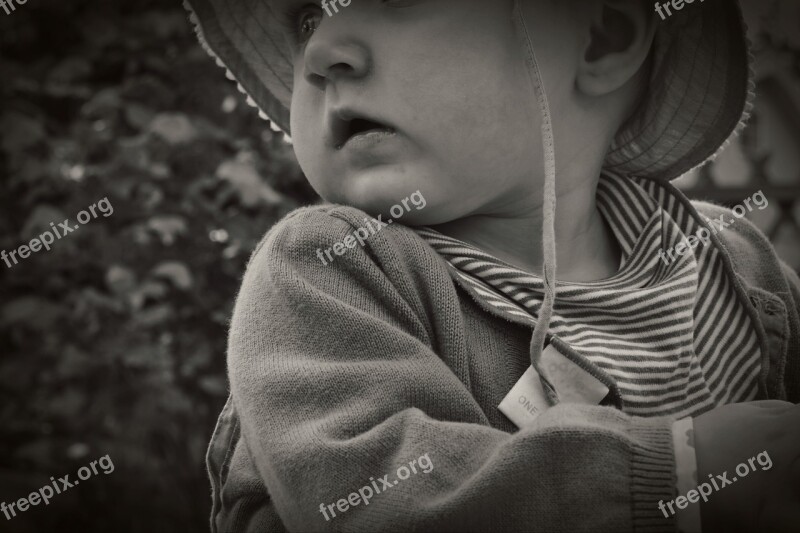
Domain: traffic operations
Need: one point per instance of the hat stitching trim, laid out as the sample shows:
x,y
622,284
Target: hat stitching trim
x,y
274,125
195,21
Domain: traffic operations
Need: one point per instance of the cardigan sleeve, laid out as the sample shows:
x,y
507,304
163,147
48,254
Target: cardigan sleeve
x,y
338,388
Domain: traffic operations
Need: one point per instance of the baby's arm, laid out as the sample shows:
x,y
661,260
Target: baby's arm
x,y
768,500
733,435
336,381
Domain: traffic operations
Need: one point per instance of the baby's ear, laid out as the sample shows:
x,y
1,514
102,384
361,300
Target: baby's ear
x,y
619,41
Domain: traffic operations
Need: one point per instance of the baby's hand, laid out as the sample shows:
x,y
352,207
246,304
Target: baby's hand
x,y
767,500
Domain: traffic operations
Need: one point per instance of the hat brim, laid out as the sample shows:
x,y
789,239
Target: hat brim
x,y
700,93
245,38
700,88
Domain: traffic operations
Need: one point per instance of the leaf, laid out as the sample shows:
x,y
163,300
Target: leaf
x,y
39,451
154,316
149,289
243,175
70,70
90,300
168,227
35,312
73,363
150,91
77,450
174,128
39,221
67,404
145,356
215,385
199,359
133,151
120,280
176,272
104,104
20,131
139,116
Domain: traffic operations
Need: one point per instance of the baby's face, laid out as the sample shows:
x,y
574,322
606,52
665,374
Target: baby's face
x,y
391,97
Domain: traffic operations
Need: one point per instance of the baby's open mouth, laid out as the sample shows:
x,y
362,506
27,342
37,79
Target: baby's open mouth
x,y
345,129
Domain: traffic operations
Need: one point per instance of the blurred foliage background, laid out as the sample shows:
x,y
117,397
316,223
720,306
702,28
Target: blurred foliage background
x,y
114,341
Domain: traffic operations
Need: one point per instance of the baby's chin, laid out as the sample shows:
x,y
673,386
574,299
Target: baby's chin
x,y
381,188
373,188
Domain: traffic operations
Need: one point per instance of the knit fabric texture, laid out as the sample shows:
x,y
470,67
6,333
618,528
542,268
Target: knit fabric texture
x,y
344,372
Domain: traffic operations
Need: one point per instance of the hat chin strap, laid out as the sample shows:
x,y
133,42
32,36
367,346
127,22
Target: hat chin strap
x,y
548,205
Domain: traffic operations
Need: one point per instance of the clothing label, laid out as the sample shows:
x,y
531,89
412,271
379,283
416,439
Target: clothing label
x,y
527,400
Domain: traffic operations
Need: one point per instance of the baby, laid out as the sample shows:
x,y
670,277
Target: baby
x,y
539,138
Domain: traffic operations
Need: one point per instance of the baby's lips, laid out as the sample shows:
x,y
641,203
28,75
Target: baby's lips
x,y
345,122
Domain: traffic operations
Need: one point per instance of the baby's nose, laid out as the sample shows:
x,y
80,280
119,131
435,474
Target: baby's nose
x,y
334,52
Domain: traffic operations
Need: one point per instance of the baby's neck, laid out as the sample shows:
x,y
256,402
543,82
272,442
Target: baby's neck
x,y
587,248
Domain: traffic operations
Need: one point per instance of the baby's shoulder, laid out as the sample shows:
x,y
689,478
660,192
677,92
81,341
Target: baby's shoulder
x,y
311,225
335,241
340,231
739,235
751,253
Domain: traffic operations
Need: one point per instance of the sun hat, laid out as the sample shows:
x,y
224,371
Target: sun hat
x,y
699,94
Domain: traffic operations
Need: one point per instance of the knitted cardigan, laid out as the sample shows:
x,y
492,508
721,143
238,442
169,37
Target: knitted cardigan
x,y
342,373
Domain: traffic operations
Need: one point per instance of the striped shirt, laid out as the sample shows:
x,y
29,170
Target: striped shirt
x,y
672,334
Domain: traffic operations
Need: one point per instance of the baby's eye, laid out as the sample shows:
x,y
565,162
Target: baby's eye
x,y
306,20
